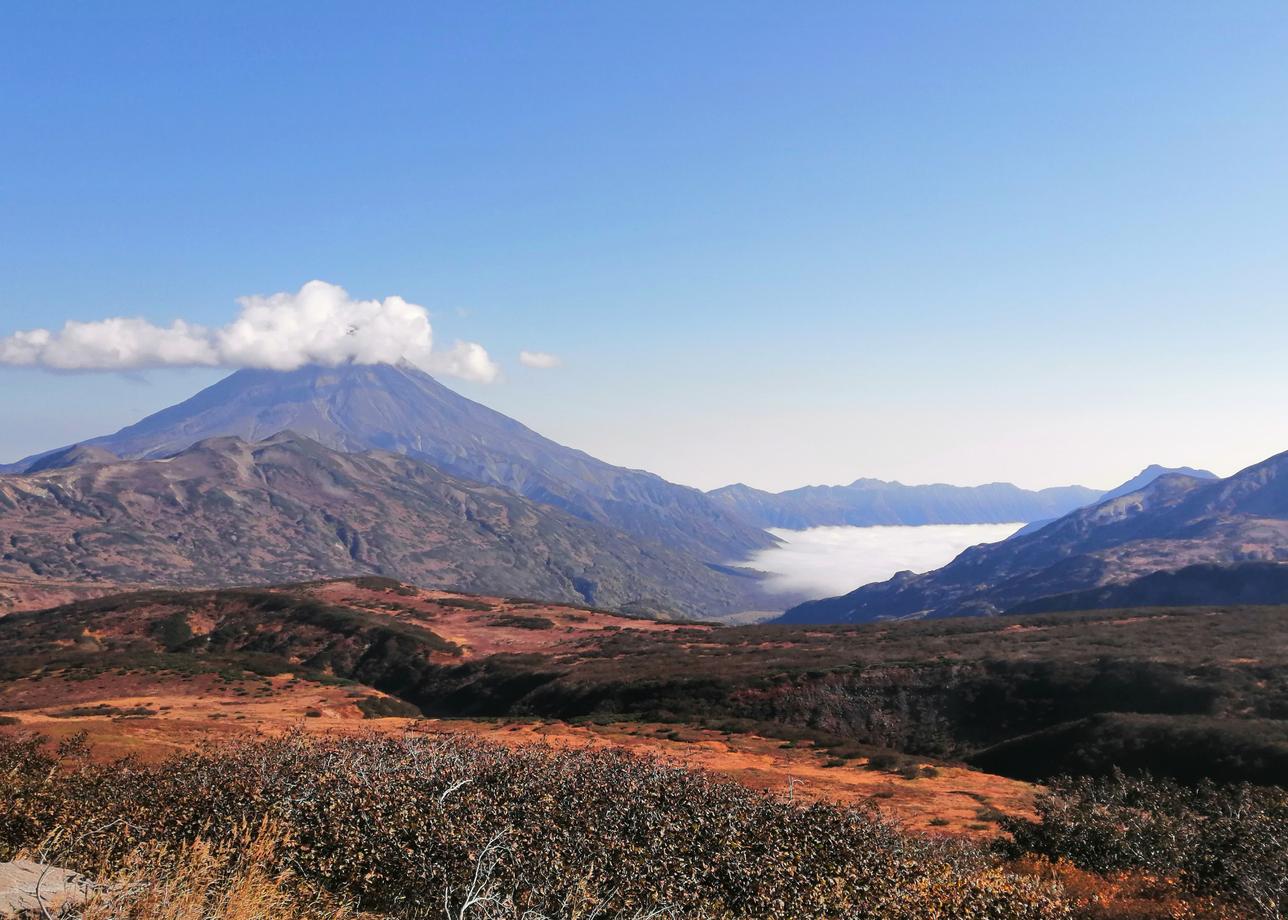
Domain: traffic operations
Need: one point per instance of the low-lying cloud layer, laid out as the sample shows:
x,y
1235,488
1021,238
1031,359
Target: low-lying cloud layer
x,y
830,561
318,324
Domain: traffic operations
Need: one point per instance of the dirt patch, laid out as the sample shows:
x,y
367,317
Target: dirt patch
x,y
17,596
484,626
185,713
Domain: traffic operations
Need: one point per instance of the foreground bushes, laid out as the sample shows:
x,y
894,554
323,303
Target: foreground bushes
x,y
1227,843
416,825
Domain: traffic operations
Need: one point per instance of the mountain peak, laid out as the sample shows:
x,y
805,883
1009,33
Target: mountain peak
x,y
72,456
1150,474
285,436
401,409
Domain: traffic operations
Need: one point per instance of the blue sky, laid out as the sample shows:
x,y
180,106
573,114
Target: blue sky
x,y
776,243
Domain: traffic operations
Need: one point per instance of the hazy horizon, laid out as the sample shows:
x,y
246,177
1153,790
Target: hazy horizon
x,y
205,379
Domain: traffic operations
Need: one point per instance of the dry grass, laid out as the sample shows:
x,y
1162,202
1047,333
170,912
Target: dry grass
x,y
204,881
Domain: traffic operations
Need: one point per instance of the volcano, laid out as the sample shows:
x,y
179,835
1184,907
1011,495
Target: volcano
x,y
401,409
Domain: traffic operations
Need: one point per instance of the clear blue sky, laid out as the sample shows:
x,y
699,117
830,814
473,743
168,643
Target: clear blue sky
x,y
778,243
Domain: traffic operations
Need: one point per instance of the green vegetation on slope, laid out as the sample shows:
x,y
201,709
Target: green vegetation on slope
x,y
1228,843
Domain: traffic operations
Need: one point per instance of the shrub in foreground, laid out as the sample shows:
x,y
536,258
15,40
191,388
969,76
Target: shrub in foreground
x,y
407,826
1226,842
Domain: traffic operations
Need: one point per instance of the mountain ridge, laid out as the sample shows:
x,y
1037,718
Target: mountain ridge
x,y
225,511
1136,483
1152,472
869,502
1174,522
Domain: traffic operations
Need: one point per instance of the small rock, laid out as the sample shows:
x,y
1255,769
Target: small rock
x,y
25,886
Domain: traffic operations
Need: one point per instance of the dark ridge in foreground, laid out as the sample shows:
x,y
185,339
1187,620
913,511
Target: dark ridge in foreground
x,y
1180,692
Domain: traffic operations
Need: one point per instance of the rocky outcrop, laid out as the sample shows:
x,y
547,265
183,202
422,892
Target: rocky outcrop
x,y
33,889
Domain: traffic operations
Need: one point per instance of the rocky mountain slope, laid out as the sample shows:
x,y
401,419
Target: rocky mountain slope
x,y
1174,522
403,410
1152,472
868,502
225,511
1240,583
1137,482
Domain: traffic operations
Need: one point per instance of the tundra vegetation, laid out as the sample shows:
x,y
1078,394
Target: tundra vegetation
x,y
421,826
428,825
1187,693
448,826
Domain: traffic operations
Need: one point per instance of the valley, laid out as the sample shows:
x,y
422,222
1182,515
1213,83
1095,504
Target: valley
x,y
1174,522
827,560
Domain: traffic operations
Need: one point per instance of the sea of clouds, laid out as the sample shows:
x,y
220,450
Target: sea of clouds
x,y
829,561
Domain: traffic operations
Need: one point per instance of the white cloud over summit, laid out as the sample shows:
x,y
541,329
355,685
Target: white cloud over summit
x,y
318,324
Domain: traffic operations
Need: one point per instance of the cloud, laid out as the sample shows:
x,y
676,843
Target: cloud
x,y
539,359
318,324
829,561
467,360
111,344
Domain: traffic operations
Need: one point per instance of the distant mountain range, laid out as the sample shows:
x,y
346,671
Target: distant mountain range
x,y
1174,522
403,410
225,512
869,502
